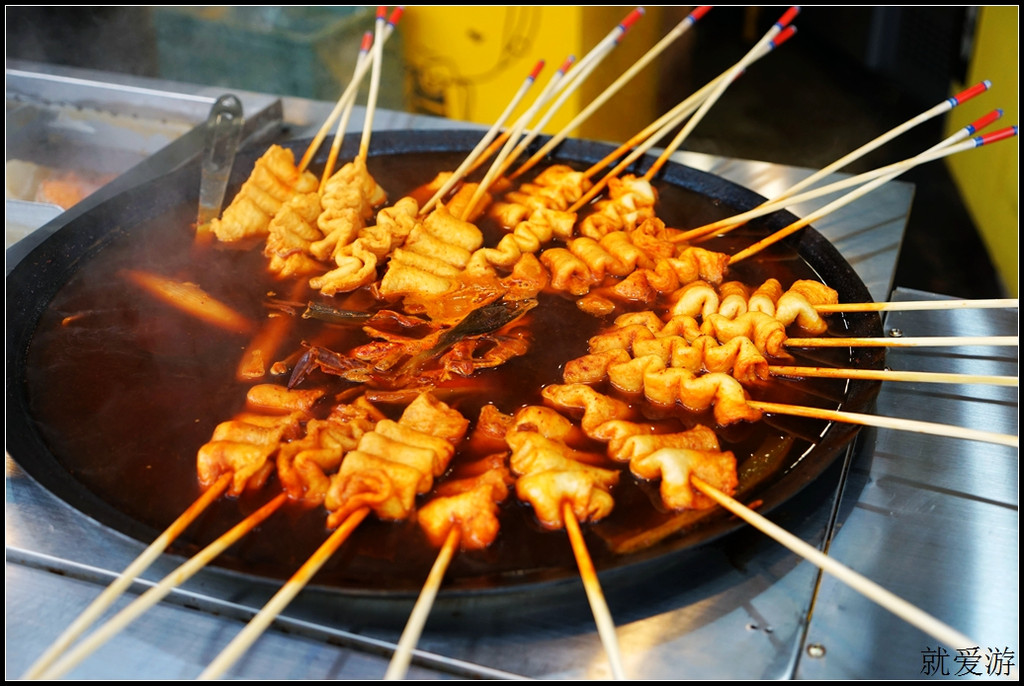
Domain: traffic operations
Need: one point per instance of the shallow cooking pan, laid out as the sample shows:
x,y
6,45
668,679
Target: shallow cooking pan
x,y
157,212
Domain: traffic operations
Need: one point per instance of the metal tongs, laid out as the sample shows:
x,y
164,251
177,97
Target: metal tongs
x,y
223,131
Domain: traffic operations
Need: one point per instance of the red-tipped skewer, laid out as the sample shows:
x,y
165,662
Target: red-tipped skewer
x,y
600,100
576,78
941,108
975,142
891,171
491,134
339,134
543,98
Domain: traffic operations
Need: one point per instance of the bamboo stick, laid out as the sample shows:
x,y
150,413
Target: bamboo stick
x,y
399,664
517,129
893,603
580,74
131,572
680,28
345,97
339,134
591,584
275,605
658,129
887,423
158,592
890,375
907,305
491,134
919,342
713,97
949,146
979,141
375,68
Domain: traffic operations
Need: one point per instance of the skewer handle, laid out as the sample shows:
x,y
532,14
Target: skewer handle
x,y
131,572
990,303
788,198
414,627
919,342
976,142
377,53
753,54
350,92
887,423
899,607
598,605
611,90
889,375
279,602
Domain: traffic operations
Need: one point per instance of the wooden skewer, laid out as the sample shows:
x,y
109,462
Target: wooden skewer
x,y
375,68
891,171
600,51
907,305
884,174
549,91
641,143
348,94
131,572
576,78
899,607
611,90
979,141
491,134
158,592
339,134
941,108
713,97
399,664
887,422
935,111
275,605
565,86
890,375
652,133
517,129
602,616
919,342
658,129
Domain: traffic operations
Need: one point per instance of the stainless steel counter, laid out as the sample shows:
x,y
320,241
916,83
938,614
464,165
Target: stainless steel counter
x,y
932,519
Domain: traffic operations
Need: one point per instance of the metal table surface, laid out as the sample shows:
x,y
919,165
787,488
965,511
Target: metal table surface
x,y
932,519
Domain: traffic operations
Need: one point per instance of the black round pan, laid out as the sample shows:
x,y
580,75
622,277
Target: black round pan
x,y
33,284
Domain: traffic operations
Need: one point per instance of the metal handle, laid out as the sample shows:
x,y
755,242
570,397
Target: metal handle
x,y
223,131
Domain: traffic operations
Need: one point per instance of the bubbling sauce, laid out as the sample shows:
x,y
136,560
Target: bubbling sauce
x,y
125,390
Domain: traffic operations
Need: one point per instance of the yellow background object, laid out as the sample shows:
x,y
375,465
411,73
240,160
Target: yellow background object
x,y
988,178
466,63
